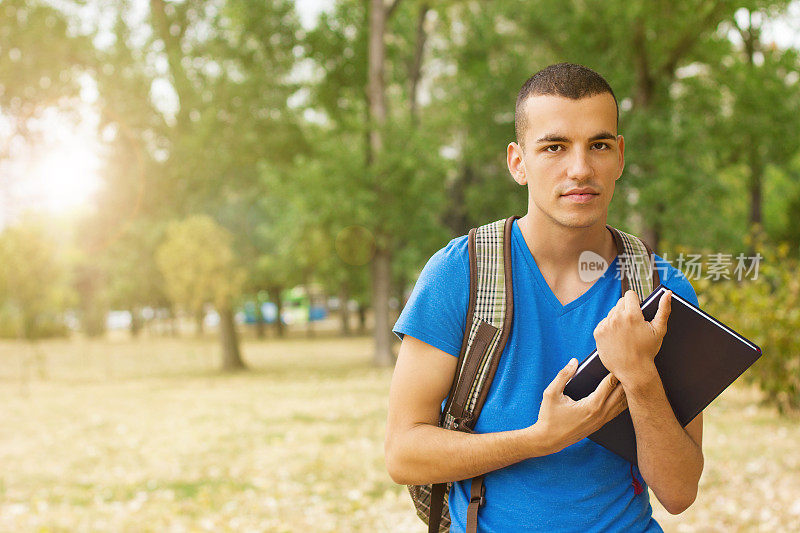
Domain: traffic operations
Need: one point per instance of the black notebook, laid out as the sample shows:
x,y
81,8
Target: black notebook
x,y
699,358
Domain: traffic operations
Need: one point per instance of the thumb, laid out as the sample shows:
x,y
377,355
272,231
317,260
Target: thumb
x,y
659,321
608,384
556,386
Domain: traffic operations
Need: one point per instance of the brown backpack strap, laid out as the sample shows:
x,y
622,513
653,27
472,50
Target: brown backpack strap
x,y
477,497
463,356
652,255
437,504
462,404
620,251
508,320
476,365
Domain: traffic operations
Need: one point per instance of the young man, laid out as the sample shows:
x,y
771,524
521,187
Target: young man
x,y
542,474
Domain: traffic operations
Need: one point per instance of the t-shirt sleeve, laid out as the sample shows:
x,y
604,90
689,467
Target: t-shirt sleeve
x,y
675,280
436,311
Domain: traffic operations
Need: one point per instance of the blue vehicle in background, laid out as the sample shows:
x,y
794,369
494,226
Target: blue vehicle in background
x,y
297,309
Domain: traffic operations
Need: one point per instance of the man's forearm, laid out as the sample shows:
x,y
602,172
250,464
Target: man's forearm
x,y
430,454
670,461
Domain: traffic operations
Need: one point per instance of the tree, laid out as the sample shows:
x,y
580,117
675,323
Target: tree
x,y
758,86
198,264
226,85
34,77
134,280
33,278
232,83
376,162
646,50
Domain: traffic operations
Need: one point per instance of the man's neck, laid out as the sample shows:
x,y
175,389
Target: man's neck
x,y
557,248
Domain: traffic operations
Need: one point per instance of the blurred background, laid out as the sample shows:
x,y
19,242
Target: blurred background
x,y
211,213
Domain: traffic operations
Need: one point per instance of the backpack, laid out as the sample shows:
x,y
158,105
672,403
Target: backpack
x,y
489,317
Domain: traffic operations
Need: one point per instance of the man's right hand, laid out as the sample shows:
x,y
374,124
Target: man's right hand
x,y
564,421
419,452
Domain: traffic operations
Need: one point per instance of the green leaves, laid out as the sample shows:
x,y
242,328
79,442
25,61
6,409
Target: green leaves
x,y
34,284
767,310
198,264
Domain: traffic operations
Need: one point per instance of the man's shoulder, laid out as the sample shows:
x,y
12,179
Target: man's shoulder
x,y
454,255
435,312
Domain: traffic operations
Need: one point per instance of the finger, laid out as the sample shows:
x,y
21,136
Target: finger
x,y
620,304
604,389
632,303
556,387
659,321
619,405
615,403
600,325
617,396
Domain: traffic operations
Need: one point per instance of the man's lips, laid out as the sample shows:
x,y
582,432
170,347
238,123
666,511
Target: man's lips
x,y
581,190
581,197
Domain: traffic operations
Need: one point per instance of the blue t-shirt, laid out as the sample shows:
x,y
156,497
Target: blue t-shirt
x,y
581,488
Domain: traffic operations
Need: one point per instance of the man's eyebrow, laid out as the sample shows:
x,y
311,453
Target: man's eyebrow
x,y
603,135
556,138
552,138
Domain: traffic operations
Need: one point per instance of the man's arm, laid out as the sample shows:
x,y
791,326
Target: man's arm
x,y
419,452
670,457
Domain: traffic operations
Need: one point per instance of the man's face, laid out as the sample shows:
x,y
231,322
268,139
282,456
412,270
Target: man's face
x,y
572,158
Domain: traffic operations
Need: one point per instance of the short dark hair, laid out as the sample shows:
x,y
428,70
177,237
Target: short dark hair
x,y
563,79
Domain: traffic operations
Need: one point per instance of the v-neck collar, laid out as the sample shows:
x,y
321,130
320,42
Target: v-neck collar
x,y
560,308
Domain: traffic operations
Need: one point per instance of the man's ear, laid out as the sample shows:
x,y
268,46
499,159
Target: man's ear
x,y
621,144
516,164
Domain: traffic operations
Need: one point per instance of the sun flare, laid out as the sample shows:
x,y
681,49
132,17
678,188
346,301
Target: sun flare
x,y
65,177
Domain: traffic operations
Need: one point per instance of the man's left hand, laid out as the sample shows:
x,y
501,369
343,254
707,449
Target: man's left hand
x,y
626,343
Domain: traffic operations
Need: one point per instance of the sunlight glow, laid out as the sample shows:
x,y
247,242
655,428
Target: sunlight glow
x,y
65,177
56,171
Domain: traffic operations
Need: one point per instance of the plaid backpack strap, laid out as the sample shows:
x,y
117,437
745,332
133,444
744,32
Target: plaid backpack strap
x,y
636,263
488,324
487,328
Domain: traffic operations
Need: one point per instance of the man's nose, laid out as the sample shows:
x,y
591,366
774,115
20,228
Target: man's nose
x,y
579,165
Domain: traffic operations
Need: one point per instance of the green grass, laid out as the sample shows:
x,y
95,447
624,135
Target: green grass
x,y
145,436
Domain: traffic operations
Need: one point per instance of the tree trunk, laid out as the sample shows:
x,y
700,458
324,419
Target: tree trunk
x,y
275,294
171,30
415,72
260,329
381,266
231,357
381,289
400,283
756,174
756,177
309,324
362,318
136,322
375,83
344,312
651,77
199,317
653,228
456,214
751,38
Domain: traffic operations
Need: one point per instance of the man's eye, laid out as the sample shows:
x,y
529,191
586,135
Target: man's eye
x,y
553,148
601,146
